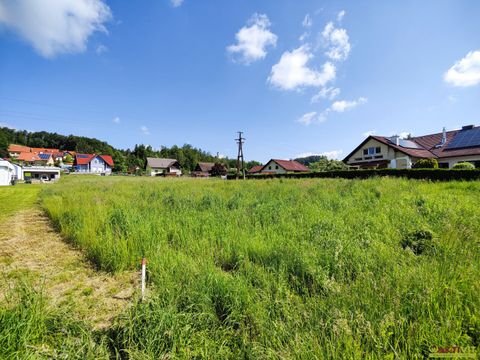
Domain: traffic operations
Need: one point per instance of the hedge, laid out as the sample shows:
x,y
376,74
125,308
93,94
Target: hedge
x,y
425,174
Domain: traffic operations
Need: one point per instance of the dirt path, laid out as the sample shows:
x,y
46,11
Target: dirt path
x,y
29,246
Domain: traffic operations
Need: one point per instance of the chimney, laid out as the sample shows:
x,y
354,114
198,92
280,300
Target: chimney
x,y
444,137
395,139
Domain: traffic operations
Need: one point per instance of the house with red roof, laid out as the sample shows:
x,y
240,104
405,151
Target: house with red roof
x,y
93,164
448,147
277,166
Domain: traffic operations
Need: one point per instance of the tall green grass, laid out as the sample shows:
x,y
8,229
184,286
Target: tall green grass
x,y
283,268
29,329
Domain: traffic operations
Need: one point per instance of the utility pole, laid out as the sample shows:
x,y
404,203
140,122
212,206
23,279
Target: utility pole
x,y
240,159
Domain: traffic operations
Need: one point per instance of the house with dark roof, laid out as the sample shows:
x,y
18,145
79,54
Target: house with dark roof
x,y
163,167
277,166
206,169
448,147
93,164
255,169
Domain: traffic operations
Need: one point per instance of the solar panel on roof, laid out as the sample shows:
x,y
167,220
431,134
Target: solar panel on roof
x,y
44,156
465,138
82,156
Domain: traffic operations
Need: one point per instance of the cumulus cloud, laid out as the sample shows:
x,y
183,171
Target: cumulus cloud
x,y
328,93
176,3
338,106
116,120
55,26
337,42
312,118
465,72
253,40
145,130
344,105
292,72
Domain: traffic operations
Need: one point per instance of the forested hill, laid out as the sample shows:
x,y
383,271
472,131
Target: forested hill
x,y
125,160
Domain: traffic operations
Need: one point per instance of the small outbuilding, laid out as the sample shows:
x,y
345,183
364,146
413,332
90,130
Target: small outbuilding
x,y
42,173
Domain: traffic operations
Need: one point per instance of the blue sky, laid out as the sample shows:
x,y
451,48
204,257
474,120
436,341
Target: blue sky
x,y
298,77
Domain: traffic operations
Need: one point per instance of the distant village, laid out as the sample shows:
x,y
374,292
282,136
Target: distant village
x,y
445,149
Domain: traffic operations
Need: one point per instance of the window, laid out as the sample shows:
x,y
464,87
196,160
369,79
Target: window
x,y
372,150
269,168
276,167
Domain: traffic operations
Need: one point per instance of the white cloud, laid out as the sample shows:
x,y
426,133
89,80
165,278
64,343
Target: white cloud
x,y
336,42
304,36
307,21
404,134
313,117
253,40
292,72
55,26
116,120
329,93
145,130
465,72
341,15
369,133
101,49
333,154
176,3
344,105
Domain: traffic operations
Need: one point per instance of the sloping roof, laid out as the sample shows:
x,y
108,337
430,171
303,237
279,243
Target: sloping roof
x,y
44,150
18,148
289,165
160,162
28,156
83,159
107,158
204,166
255,169
428,146
419,153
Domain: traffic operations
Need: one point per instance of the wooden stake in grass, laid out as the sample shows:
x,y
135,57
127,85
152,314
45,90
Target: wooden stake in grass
x,y
144,271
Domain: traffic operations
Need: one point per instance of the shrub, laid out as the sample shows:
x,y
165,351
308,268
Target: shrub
x,y
463,166
426,164
418,241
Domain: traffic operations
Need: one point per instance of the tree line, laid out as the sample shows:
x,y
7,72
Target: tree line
x,y
129,160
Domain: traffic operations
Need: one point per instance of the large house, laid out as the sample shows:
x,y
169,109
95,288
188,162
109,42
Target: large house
x,y
277,166
163,167
93,164
32,156
448,147
7,172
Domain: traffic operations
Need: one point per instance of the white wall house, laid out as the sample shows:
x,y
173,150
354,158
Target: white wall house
x,y
447,147
7,173
160,167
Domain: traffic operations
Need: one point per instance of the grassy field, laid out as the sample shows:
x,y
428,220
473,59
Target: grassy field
x,y
380,268
15,198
